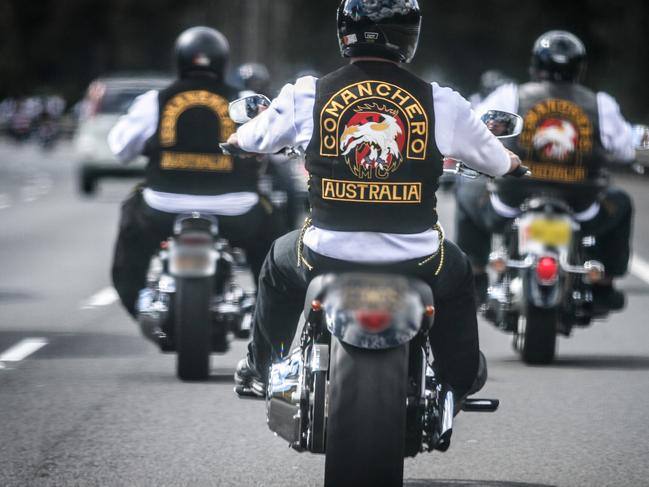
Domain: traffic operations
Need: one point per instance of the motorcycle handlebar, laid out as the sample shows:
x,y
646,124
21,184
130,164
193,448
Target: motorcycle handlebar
x,y
235,150
519,172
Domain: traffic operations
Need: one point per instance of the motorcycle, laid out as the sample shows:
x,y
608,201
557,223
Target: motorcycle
x,y
361,386
192,302
544,277
192,299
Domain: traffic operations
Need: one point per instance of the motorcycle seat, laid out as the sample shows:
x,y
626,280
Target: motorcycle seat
x,y
546,203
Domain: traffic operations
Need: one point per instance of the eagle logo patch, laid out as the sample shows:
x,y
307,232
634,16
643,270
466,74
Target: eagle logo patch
x,y
373,140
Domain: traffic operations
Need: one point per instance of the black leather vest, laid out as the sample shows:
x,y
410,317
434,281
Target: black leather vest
x,y
373,162
560,143
184,155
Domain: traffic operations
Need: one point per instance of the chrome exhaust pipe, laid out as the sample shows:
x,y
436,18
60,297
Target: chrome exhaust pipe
x,y
283,400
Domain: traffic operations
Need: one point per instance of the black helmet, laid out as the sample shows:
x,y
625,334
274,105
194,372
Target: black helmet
x,y
383,28
202,49
254,77
558,56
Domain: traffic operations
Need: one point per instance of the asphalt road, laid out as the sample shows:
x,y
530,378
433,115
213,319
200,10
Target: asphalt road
x,y
95,404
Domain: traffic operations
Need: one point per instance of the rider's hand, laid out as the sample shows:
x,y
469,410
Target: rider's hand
x,y
514,161
233,140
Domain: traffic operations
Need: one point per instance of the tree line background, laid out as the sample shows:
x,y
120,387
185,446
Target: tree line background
x,y
61,45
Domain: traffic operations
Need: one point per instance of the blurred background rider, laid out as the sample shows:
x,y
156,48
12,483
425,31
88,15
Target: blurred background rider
x,y
570,133
179,129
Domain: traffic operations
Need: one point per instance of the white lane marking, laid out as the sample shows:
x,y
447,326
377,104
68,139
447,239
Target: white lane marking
x,y
640,268
104,297
22,349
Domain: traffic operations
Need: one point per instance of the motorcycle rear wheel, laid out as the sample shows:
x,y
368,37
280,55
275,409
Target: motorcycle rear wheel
x,y
538,335
366,425
193,328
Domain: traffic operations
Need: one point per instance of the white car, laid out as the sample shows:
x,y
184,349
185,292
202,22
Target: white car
x,y
106,99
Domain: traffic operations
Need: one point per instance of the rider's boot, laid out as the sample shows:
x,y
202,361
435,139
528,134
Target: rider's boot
x,y
248,381
605,295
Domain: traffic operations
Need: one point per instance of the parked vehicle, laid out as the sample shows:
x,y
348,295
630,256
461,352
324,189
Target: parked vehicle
x,y
106,99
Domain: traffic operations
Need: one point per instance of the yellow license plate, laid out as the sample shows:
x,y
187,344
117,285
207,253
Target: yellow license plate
x,y
550,232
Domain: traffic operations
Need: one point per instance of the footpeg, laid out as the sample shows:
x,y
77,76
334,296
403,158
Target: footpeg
x,y
246,392
472,405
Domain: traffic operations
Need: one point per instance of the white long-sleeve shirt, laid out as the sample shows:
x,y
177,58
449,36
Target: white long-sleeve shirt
x,y
459,133
615,132
127,139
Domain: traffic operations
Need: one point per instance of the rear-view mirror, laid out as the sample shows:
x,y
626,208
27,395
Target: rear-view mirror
x,y
503,124
245,109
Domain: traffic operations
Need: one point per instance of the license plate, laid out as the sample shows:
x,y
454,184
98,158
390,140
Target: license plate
x,y
550,232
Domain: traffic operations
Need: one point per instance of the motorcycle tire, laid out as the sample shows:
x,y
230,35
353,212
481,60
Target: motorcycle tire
x,y
193,328
538,336
366,424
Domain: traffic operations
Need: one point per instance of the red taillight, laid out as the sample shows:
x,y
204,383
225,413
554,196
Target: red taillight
x,y
373,320
547,269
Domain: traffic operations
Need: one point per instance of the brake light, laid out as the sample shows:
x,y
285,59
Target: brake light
x,y
547,270
373,320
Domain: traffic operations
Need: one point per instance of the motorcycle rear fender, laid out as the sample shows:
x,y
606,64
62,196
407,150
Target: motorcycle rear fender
x,y
542,296
340,297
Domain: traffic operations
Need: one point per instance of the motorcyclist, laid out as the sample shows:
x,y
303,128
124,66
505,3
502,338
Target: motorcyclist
x,y
254,78
186,171
490,81
569,133
374,135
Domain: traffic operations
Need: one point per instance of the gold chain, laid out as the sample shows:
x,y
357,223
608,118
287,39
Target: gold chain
x,y
440,251
300,245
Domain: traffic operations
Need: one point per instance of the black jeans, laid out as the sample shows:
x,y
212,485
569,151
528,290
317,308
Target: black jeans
x,y
476,221
282,289
142,229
